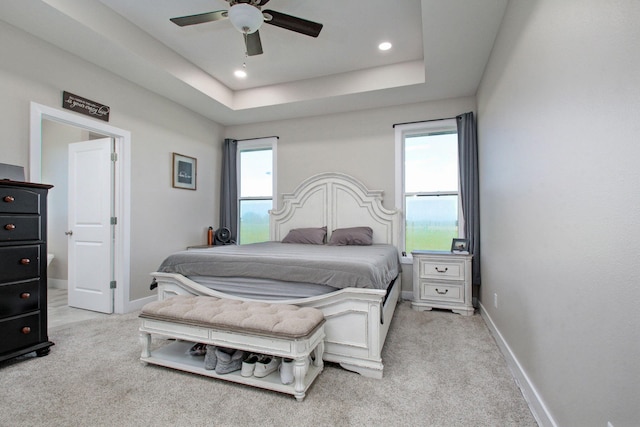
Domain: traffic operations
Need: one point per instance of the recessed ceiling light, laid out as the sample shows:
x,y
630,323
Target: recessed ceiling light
x,y
384,46
241,74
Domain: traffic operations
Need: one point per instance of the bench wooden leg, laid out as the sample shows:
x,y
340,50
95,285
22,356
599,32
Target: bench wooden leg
x,y
318,352
145,340
298,377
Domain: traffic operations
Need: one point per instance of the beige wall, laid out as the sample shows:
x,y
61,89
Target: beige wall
x,y
163,219
558,129
359,143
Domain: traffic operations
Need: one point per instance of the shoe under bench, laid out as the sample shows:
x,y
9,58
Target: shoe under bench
x,y
180,334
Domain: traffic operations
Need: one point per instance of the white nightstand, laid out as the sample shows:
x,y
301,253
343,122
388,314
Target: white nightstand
x,y
199,247
442,280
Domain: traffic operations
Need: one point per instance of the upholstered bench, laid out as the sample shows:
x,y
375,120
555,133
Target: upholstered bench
x,y
280,330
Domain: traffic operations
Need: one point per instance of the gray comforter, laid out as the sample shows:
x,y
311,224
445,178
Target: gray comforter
x,y
337,266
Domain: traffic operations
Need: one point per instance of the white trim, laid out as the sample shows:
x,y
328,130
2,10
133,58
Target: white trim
x,y
57,283
407,295
137,304
399,190
401,131
122,139
534,400
269,142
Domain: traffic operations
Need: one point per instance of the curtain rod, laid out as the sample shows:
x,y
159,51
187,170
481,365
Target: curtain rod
x,y
260,137
424,121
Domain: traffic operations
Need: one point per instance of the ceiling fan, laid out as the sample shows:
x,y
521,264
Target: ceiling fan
x,y
247,16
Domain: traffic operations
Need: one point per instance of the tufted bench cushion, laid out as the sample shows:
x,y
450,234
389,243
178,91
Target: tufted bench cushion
x,y
279,320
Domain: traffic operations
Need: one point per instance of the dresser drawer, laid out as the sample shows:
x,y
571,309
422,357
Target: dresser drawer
x,y
19,200
16,228
19,263
19,332
441,292
19,298
435,269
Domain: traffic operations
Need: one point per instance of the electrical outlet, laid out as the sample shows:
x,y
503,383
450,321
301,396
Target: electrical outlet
x,y
495,300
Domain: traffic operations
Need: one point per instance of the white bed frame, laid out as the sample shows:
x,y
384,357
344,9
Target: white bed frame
x,y
357,320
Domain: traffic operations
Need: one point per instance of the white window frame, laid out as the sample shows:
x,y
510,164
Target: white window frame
x,y
270,142
401,132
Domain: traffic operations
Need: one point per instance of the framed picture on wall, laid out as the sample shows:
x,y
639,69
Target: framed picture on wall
x,y
184,171
460,246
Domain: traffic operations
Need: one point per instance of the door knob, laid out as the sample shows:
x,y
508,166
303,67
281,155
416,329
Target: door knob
x,y
69,233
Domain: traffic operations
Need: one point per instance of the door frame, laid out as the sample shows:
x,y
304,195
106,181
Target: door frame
x,y
122,188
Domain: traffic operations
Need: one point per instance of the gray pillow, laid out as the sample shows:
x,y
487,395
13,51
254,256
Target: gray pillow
x,y
354,236
312,236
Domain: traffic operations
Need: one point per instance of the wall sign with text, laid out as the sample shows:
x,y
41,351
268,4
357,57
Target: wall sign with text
x,y
85,106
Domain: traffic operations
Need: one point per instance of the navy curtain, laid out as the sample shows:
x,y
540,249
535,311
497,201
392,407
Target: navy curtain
x,y
469,187
229,188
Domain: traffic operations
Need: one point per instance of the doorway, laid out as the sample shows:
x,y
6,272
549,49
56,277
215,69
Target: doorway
x,y
121,190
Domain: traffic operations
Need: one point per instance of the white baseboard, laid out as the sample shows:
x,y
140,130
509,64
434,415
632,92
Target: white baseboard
x,y
57,283
536,405
136,305
406,296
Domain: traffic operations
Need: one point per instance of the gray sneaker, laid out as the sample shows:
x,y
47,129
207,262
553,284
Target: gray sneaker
x,y
210,358
229,360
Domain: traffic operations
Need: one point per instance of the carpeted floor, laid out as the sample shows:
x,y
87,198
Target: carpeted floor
x,y
441,369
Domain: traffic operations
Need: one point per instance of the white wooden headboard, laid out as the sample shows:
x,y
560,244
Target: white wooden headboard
x,y
336,200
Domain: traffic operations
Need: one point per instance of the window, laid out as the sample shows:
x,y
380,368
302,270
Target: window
x,y
427,184
256,187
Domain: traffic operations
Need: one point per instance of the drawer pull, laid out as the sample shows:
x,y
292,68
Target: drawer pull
x,y
10,227
442,292
26,330
440,270
9,199
25,295
25,261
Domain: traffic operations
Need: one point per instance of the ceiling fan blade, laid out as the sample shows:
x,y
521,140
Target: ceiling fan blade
x,y
253,44
263,2
200,18
292,23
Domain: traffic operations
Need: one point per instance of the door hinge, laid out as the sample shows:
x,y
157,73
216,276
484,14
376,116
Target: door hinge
x,y
112,284
114,157
114,220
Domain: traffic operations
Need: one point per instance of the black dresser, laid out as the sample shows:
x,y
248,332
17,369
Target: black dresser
x,y
23,269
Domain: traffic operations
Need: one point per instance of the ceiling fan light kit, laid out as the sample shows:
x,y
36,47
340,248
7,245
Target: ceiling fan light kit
x,y
245,18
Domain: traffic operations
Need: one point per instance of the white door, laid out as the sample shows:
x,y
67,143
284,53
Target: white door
x,y
90,229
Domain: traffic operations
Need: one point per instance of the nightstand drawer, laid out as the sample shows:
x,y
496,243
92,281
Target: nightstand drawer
x,y
436,291
433,269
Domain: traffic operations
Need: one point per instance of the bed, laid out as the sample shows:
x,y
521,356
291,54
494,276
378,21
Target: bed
x,y
358,305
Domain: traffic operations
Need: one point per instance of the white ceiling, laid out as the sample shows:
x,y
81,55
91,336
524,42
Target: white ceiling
x,y
440,49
